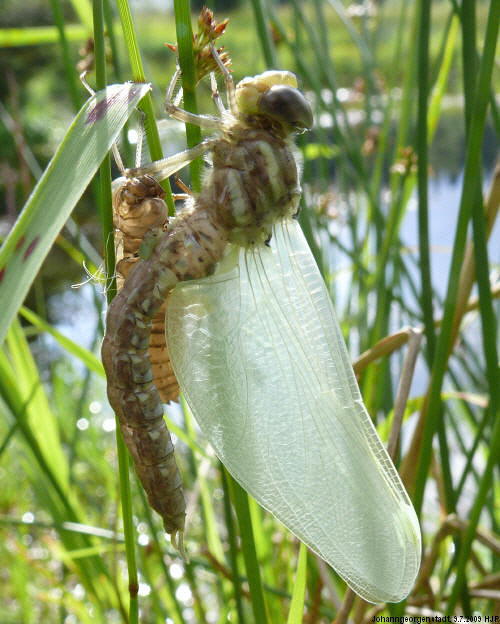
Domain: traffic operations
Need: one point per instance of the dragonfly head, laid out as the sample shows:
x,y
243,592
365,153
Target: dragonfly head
x,y
274,94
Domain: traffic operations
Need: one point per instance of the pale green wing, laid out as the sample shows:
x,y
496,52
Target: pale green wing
x,y
260,358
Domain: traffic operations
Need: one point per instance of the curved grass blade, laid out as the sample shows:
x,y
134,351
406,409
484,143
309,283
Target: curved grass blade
x,y
242,508
89,138
296,612
87,358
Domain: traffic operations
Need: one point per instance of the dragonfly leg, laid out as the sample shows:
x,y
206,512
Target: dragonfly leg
x,y
161,169
208,122
228,80
140,139
181,196
216,95
84,82
187,191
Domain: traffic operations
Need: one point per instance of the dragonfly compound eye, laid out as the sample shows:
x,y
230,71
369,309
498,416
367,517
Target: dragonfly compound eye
x,y
288,106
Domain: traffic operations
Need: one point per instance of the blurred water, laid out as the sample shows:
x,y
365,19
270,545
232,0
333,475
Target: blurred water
x,y
444,202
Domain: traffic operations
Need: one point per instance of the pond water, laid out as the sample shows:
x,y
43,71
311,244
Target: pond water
x,y
444,201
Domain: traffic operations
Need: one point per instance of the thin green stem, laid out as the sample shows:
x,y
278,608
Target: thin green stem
x,y
110,29
233,549
264,34
469,55
188,77
422,176
105,203
69,69
146,105
240,499
104,194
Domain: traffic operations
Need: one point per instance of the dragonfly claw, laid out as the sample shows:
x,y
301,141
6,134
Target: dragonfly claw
x,y
177,541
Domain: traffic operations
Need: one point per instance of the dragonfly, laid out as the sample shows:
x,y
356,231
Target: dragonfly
x,y
256,348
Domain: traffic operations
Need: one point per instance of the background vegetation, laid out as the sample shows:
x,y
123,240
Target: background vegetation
x,y
404,94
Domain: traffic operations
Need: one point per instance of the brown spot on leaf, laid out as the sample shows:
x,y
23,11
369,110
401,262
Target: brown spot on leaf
x,y
99,110
134,90
2,273
31,247
20,242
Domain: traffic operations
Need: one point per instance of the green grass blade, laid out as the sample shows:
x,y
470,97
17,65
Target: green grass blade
x,y
295,615
85,144
488,320
106,215
188,77
438,91
233,549
37,414
266,42
104,186
422,175
240,500
469,55
69,70
113,44
426,297
146,106
131,41
39,35
83,9
84,355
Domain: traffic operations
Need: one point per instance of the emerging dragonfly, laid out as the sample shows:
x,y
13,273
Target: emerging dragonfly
x,y
257,350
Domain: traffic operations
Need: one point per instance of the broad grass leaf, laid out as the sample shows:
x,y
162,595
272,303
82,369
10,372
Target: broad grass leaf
x,y
68,174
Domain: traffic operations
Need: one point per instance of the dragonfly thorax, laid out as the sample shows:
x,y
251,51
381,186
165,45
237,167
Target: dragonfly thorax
x,y
254,183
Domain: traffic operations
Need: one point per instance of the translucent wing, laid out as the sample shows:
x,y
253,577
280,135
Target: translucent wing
x,y
261,360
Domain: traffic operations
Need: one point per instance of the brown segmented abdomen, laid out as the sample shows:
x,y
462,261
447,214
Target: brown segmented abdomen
x,y
188,250
138,208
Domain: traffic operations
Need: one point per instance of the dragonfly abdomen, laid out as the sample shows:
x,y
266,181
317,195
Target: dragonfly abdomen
x,y
189,249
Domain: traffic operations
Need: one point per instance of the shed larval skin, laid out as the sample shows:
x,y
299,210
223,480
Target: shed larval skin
x,y
139,209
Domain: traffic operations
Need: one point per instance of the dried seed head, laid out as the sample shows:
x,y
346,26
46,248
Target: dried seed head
x,y
209,30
